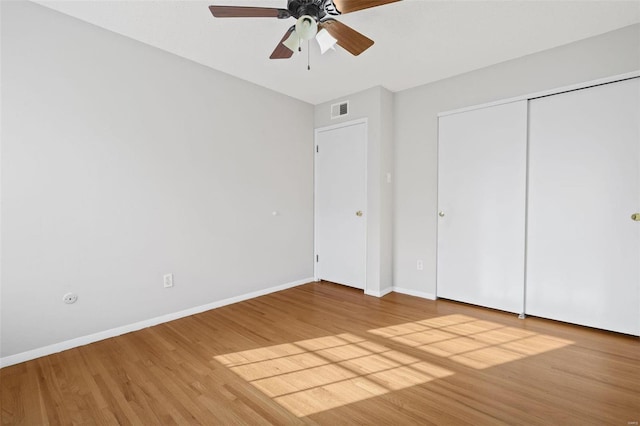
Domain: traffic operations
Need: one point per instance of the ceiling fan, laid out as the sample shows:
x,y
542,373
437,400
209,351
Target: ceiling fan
x,y
313,20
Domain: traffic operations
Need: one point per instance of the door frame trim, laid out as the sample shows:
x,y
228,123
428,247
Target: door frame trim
x,y
550,92
316,131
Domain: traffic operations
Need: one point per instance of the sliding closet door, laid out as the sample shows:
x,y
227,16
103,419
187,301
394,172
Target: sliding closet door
x,y
481,202
584,185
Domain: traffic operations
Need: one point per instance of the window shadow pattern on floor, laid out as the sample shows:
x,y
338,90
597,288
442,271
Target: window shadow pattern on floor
x,y
314,375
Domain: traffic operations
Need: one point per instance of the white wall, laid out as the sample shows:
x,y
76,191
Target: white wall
x,y
416,133
376,104
121,163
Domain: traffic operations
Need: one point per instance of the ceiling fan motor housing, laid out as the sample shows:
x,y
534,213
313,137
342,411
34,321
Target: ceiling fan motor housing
x,y
319,9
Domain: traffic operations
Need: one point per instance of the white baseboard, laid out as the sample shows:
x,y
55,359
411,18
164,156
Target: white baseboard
x,y
421,294
85,340
380,293
406,291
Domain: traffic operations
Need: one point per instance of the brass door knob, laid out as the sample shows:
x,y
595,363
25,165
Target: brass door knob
x,y
636,217
359,213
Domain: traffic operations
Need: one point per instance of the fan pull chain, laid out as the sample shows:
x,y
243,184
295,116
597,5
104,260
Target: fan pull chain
x,y
308,56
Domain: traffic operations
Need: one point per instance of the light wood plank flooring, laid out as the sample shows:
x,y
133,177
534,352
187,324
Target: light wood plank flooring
x,y
327,354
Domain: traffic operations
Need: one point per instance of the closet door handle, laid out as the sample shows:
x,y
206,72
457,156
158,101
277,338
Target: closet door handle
x,y
636,217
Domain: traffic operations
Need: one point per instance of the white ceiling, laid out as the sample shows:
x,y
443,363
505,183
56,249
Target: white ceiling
x,y
417,41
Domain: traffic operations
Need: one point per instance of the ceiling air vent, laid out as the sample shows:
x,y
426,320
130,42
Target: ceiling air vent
x,y
340,109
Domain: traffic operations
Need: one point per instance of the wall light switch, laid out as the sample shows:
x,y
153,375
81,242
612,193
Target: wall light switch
x,y
168,280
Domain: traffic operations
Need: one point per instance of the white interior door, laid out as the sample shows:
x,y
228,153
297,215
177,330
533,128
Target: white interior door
x,y
481,201
584,185
340,204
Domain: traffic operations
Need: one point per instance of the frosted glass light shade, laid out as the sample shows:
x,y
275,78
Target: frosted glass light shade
x,y
306,27
293,42
326,41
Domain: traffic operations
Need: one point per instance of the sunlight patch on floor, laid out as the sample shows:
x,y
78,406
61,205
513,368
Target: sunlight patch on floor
x,y
315,375
474,343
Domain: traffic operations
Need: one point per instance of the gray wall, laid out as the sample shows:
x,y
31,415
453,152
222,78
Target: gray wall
x,y
375,104
121,163
416,132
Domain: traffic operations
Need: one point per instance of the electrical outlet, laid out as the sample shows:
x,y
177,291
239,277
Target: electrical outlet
x,y
168,280
419,265
70,298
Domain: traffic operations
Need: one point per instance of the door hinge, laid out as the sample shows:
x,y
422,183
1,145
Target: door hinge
x,y
317,148
317,258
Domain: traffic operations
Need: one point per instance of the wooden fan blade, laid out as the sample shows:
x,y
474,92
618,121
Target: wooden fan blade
x,y
248,12
348,6
348,38
281,51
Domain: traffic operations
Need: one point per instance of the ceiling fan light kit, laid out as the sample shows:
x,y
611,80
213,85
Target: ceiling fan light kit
x,y
292,42
313,20
306,27
326,41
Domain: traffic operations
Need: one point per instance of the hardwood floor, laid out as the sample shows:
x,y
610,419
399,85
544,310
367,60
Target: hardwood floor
x,y
327,354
